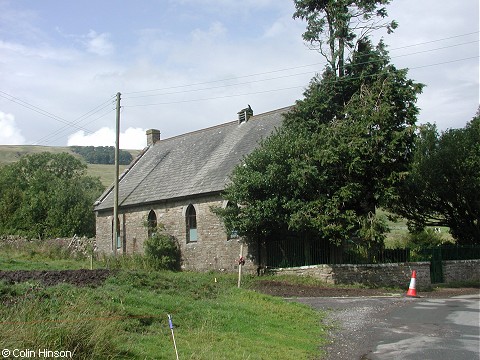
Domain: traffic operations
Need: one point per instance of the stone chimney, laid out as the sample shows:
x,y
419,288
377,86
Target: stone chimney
x,y
245,114
153,136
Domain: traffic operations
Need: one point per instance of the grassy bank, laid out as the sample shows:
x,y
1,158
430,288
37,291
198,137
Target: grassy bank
x,y
126,318
41,255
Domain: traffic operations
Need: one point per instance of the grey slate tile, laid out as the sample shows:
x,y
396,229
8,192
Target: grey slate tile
x,y
191,164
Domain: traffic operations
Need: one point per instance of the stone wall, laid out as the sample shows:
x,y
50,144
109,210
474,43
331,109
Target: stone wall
x,y
461,270
75,245
212,250
390,275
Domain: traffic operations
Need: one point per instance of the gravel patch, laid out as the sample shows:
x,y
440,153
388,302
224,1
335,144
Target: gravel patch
x,y
351,322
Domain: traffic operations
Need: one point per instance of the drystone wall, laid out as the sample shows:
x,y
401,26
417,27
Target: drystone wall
x,y
461,270
388,275
391,275
75,245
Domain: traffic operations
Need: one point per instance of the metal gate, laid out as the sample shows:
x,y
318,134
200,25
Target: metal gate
x,y
436,269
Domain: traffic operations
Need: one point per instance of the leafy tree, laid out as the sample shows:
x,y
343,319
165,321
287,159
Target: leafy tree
x,y
47,195
342,149
443,186
335,27
340,154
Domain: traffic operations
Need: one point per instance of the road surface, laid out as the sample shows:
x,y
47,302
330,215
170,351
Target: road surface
x,y
401,328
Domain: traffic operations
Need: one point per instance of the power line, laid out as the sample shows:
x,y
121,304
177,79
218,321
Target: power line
x,y
68,124
220,86
445,62
223,80
54,136
50,137
283,76
32,107
282,89
301,66
43,112
433,41
76,123
216,98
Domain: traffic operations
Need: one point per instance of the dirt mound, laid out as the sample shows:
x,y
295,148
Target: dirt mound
x,y
53,277
284,289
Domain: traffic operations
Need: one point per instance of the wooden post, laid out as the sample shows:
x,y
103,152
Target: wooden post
x,y
240,265
115,192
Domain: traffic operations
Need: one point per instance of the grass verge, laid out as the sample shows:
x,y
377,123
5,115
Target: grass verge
x,y
126,318
40,255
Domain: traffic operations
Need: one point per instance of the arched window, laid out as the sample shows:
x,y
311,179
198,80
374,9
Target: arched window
x,y
118,242
191,224
152,223
232,208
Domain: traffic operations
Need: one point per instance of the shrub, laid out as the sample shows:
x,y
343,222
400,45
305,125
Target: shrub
x,y
162,252
424,239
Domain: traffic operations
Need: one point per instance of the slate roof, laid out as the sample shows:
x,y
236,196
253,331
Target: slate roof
x,y
195,163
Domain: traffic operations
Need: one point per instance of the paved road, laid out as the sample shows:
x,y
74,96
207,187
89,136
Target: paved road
x,y
402,328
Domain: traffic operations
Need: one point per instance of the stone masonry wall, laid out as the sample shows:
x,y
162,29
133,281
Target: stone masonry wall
x,y
461,270
212,251
390,275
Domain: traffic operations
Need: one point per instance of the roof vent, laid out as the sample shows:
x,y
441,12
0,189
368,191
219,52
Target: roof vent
x,y
153,136
245,114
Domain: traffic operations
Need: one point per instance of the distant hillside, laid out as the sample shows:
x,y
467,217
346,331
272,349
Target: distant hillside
x,y
12,153
106,173
102,155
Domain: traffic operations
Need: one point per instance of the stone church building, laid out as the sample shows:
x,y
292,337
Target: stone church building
x,y
175,182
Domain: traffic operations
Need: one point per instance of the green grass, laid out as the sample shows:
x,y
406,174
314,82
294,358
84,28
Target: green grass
x,y
106,173
398,235
45,255
126,318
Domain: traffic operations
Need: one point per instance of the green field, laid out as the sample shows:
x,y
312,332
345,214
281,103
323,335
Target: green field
x,y
126,316
12,153
106,173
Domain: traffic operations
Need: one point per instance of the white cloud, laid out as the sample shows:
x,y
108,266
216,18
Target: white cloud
x,y
99,44
206,44
132,138
216,30
10,134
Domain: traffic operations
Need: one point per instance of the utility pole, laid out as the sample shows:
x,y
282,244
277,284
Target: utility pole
x,y
115,187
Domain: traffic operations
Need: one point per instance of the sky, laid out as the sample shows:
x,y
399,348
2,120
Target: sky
x,y
184,65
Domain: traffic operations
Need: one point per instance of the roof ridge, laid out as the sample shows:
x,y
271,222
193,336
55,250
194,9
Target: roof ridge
x,y
223,124
197,162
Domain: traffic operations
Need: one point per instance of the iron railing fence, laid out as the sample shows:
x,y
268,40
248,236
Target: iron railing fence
x,y
294,252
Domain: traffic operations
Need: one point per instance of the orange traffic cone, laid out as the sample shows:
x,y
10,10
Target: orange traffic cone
x,y
412,292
